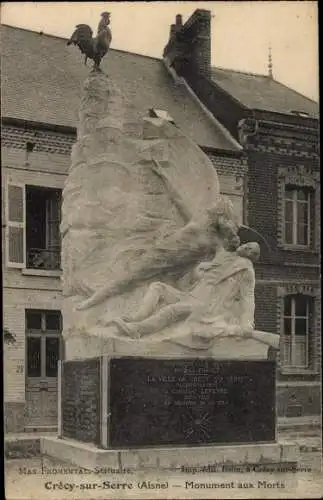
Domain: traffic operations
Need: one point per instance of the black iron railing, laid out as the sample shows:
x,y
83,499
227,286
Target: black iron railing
x,y
38,258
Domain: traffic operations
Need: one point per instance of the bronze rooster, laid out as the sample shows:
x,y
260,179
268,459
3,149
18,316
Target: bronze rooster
x,y
94,48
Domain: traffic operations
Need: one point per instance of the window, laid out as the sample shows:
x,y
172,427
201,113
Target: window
x,y
298,208
161,113
297,216
297,319
43,329
299,113
43,242
33,227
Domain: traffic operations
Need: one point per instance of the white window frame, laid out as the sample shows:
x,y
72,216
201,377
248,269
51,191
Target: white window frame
x,y
20,225
296,202
300,177
293,318
311,290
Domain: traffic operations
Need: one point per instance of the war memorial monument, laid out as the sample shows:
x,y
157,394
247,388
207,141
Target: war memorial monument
x,y
163,367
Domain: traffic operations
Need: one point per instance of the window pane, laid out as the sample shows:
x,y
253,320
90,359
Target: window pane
x,y
300,352
288,211
287,306
288,232
301,302
33,357
287,326
300,326
54,205
52,356
302,233
33,320
287,351
302,194
54,236
53,321
289,193
302,213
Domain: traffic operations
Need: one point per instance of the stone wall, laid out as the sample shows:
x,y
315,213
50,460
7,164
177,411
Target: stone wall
x,y
13,413
81,400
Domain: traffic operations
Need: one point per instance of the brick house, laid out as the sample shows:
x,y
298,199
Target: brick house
x,y
278,129
42,82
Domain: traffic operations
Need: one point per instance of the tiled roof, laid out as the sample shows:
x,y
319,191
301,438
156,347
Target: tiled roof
x,y
42,81
262,92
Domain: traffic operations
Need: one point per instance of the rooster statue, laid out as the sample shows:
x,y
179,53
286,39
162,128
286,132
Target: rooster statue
x,y
93,47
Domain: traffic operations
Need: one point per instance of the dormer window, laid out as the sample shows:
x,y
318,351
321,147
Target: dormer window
x,y
161,113
300,113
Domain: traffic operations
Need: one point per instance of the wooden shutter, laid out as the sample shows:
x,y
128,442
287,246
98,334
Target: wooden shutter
x,y
15,225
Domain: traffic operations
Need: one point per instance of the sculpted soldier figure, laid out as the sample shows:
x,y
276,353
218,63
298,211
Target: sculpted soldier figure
x,y
220,303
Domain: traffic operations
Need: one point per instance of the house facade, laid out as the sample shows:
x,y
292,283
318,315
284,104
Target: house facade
x,y
278,130
42,85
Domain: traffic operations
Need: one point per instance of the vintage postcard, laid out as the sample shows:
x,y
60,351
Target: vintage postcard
x,y
161,250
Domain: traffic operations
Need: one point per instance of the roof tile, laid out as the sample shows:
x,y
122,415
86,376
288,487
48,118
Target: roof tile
x,y
43,78
263,92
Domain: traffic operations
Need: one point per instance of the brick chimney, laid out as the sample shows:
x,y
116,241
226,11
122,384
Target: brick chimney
x,y
177,26
189,47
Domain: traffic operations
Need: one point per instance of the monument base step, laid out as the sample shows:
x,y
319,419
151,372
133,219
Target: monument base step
x,y
171,458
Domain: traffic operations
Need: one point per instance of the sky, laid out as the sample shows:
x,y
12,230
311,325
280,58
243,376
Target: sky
x,y
241,31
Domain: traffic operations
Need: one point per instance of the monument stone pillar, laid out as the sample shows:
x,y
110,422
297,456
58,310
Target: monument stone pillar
x,y
138,216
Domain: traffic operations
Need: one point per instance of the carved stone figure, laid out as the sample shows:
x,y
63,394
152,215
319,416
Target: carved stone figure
x,y
199,236
220,303
141,212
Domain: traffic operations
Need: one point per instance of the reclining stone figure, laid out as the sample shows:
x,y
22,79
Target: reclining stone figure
x,y
220,303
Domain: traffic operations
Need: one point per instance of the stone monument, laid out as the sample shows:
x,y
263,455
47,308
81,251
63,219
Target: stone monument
x,y
144,226
161,349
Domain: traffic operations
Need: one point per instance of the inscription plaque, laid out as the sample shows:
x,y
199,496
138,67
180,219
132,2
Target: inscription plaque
x,y
190,401
81,400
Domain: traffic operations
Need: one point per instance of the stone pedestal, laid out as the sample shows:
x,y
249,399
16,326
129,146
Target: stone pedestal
x,y
86,346
226,458
135,402
166,413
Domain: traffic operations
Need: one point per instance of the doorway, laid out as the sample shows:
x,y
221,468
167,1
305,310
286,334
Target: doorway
x,y
43,350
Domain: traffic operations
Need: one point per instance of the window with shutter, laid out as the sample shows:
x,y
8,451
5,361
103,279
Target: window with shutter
x,y
15,225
